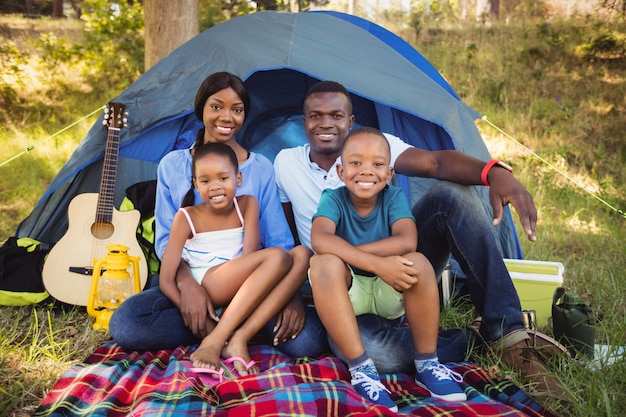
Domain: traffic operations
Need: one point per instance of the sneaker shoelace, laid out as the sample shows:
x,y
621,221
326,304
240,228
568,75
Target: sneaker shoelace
x,y
371,386
442,372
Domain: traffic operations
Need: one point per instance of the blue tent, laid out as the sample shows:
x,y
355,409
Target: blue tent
x,y
279,55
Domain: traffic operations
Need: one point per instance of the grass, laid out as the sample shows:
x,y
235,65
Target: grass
x,y
557,91
37,345
559,107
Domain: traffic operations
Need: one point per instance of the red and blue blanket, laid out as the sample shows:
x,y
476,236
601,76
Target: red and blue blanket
x,y
113,382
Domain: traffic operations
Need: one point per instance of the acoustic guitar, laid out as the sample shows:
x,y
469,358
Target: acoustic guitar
x,y
93,224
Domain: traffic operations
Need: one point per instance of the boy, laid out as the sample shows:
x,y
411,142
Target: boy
x,y
364,236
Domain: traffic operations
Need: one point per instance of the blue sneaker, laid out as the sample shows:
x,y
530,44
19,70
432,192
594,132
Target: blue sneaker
x,y
367,383
441,382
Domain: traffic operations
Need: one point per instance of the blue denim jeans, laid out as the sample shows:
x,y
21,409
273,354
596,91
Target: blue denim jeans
x,y
150,321
451,220
389,344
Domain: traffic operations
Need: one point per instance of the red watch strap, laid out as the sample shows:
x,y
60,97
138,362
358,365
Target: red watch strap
x,y
488,166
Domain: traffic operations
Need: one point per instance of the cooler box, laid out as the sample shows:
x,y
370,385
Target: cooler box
x,y
535,282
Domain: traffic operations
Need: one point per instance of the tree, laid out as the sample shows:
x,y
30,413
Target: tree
x,y
168,24
30,8
266,5
57,9
487,9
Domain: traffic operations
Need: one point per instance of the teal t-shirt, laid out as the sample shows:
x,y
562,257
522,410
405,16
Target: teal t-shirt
x,y
355,229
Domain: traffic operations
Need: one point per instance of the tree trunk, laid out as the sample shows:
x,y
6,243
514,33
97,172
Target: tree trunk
x,y
465,9
168,24
494,8
57,9
76,5
30,8
351,7
487,10
266,5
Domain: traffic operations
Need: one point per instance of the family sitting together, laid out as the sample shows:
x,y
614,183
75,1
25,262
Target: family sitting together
x,y
233,266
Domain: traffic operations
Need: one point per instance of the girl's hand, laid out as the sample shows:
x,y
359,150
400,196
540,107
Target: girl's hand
x,y
398,272
196,309
290,321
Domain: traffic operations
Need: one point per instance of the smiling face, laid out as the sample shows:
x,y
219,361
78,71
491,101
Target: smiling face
x,y
327,121
223,115
216,179
365,165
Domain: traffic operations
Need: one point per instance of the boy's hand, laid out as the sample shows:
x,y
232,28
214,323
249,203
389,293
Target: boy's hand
x,y
398,272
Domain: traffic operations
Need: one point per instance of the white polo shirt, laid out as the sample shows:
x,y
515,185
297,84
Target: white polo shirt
x,y
301,182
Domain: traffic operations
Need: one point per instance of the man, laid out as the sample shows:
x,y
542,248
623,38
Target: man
x,y
449,218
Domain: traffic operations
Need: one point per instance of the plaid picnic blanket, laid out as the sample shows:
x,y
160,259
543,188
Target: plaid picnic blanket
x,y
113,382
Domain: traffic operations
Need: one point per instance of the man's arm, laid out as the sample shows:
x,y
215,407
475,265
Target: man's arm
x,y
463,169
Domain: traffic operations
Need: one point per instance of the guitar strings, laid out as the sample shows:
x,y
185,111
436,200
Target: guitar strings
x,y
104,227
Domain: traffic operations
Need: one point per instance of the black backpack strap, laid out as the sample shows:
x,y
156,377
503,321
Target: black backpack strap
x,y
143,196
7,248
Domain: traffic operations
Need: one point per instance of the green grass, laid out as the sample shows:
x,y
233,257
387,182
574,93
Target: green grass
x,y
554,91
37,345
556,88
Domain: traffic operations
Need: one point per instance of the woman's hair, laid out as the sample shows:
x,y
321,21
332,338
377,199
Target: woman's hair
x,y
212,84
215,148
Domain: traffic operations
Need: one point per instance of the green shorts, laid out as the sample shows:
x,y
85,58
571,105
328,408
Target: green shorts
x,y
373,295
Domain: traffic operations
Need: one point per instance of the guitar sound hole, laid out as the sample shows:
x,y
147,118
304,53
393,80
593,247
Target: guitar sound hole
x,y
102,230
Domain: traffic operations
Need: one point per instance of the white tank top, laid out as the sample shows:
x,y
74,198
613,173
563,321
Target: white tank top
x,y
207,249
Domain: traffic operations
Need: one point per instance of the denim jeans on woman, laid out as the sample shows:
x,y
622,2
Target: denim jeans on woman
x,y
150,321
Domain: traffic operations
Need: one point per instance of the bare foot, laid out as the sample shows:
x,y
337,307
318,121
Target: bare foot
x,y
206,356
239,349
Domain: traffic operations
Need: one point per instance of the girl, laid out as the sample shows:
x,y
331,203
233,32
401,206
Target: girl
x,y
219,240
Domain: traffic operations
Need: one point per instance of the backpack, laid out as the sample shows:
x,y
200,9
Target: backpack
x,y
21,263
141,197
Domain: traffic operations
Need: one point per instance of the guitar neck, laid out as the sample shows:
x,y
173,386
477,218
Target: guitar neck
x,y
104,210
115,121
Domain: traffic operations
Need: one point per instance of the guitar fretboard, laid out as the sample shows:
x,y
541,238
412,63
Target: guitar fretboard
x,y
104,211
